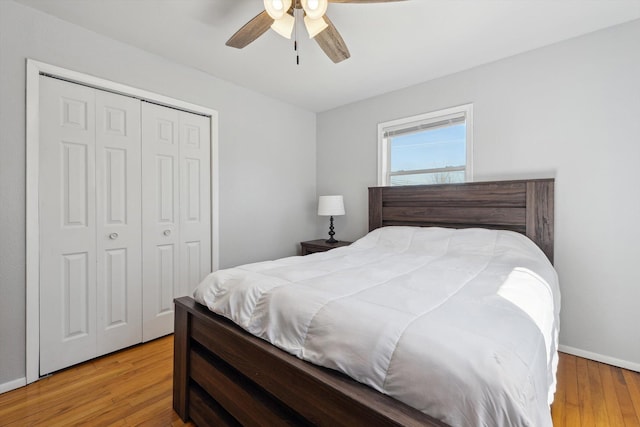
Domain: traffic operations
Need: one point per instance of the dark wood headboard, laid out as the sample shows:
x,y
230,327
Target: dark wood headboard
x,y
524,206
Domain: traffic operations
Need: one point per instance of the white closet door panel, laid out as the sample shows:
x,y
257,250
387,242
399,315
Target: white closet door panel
x,y
195,201
166,265
67,225
118,195
75,294
160,218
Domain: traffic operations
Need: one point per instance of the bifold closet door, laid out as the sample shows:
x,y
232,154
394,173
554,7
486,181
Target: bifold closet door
x,y
67,225
175,211
119,222
89,209
125,219
195,201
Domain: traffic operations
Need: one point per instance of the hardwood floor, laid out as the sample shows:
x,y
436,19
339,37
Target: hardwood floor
x,y
594,394
128,388
133,387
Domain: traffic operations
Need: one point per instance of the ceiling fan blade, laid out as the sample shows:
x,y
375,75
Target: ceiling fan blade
x,y
251,31
332,43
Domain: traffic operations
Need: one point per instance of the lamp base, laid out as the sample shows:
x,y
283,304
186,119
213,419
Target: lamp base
x,y
331,232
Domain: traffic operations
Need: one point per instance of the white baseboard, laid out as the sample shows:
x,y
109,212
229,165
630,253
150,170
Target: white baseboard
x,y
12,385
600,358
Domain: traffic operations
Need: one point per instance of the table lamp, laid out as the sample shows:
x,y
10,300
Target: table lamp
x,y
331,206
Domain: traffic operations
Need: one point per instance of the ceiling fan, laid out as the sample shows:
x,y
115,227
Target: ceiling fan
x,y
280,16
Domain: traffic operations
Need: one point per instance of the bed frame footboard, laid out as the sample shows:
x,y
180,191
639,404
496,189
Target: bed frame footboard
x,y
224,376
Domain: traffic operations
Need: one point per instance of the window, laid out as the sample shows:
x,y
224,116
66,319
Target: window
x,y
432,148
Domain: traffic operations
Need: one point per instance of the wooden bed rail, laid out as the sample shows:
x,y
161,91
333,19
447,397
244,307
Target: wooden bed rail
x,y
226,376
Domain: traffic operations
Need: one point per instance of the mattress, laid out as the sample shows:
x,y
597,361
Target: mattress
x,y
460,324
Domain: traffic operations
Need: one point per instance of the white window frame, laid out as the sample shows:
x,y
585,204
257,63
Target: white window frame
x,y
384,147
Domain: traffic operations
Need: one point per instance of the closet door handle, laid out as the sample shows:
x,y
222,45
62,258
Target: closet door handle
x,y
113,236
167,232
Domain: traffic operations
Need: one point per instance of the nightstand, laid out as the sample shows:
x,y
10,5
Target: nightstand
x,y
320,245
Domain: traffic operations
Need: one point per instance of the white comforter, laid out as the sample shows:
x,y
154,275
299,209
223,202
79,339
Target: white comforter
x,y
460,324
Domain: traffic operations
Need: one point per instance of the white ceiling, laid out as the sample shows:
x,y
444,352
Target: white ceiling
x,y
393,45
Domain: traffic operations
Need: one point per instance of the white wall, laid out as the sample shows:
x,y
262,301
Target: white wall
x,y
266,200
569,111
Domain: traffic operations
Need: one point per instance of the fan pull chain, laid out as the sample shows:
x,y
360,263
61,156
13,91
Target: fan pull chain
x,y
295,31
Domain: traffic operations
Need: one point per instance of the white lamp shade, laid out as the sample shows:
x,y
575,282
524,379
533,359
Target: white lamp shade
x,y
315,9
277,8
330,206
315,26
284,25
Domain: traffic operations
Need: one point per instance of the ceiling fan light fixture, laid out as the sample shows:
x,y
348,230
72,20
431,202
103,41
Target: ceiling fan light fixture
x,y
277,8
284,25
315,26
315,9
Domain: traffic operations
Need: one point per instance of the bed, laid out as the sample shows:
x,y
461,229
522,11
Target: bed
x,y
224,375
